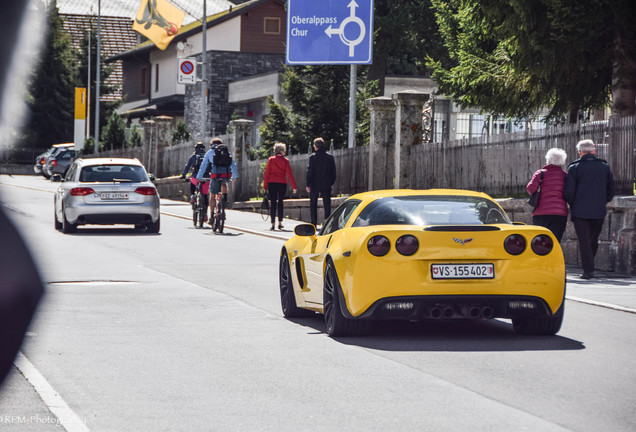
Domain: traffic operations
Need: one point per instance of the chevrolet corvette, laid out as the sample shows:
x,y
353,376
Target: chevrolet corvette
x,y
435,254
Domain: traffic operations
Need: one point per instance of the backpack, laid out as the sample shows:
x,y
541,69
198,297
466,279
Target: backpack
x,y
222,156
197,163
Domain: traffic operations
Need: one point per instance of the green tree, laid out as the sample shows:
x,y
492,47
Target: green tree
x,y
114,133
319,106
181,133
517,57
106,107
405,34
51,95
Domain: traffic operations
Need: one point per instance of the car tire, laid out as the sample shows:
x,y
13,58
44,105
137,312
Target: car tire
x,y
287,297
539,326
58,224
337,324
67,227
153,227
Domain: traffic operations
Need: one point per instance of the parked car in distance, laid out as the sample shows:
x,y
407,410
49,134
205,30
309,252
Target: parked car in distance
x,y
435,254
40,159
59,161
106,191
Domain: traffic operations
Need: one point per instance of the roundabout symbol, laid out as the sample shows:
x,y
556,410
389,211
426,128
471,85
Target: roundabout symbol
x,y
340,31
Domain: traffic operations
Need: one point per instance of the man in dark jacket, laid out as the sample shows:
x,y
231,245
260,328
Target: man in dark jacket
x,y
321,175
589,186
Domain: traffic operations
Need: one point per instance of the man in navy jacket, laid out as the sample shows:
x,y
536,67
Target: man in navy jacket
x,y
321,175
589,186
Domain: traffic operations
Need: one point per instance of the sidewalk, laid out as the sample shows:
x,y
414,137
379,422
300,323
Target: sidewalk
x,y
607,289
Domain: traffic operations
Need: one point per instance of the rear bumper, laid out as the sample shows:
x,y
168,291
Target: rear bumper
x,y
455,307
124,213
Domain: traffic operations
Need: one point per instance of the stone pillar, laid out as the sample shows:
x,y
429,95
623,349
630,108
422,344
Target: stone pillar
x,y
408,129
381,143
164,126
240,143
149,140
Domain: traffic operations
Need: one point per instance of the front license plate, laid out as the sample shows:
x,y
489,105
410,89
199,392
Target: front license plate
x,y
463,271
114,196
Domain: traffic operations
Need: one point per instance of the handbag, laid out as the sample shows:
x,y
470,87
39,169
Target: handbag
x,y
265,203
536,196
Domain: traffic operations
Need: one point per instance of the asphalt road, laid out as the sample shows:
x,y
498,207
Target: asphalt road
x,y
182,331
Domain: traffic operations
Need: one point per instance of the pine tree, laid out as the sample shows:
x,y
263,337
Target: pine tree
x,y
51,100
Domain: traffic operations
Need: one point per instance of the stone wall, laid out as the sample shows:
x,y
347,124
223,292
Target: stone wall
x,y
224,67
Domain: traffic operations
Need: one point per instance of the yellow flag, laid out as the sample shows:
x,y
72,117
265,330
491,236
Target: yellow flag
x,y
159,21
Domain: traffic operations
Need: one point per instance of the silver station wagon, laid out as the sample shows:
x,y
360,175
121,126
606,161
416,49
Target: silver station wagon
x,y
106,191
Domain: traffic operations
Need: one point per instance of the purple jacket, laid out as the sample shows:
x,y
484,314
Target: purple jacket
x,y
552,201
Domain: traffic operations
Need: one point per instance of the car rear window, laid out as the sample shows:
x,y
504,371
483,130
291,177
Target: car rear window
x,y
431,210
113,173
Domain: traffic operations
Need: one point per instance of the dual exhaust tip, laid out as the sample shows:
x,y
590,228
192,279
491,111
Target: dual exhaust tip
x,y
471,312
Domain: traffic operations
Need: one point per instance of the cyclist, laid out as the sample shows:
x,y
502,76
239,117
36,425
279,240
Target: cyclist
x,y
193,164
221,167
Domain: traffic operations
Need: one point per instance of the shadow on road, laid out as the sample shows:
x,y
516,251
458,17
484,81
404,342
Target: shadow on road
x,y
451,336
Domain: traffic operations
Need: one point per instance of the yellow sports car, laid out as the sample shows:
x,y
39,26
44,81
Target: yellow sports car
x,y
423,254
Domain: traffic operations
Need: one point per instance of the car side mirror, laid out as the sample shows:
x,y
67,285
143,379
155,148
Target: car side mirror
x,y
152,177
56,178
305,230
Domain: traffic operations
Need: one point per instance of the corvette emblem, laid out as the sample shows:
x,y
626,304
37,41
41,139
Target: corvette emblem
x,y
462,242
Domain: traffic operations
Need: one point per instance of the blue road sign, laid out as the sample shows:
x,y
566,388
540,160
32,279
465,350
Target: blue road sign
x,y
329,31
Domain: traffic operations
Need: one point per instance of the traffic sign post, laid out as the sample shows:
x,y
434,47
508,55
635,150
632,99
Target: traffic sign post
x,y
186,73
329,32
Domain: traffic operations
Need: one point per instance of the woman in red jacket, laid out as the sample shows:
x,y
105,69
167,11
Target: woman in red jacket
x,y
552,211
277,172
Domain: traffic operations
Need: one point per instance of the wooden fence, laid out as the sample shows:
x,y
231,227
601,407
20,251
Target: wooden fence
x,y
500,165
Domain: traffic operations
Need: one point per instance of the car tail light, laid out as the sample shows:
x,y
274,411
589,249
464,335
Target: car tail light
x,y
81,191
542,244
146,190
378,245
54,162
407,245
41,161
515,244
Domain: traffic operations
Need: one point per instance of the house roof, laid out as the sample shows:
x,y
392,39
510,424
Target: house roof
x,y
129,8
196,27
117,36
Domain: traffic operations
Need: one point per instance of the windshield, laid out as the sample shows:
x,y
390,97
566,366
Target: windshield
x,y
431,210
113,173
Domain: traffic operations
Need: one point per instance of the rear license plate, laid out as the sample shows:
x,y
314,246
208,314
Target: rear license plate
x,y
463,271
114,196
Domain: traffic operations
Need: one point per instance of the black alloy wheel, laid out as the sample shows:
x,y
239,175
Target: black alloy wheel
x,y
287,297
337,324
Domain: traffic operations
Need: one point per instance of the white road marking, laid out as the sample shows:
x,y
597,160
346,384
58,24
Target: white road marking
x,y
54,402
601,304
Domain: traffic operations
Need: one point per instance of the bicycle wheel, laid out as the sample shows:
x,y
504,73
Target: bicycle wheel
x,y
200,202
195,211
220,220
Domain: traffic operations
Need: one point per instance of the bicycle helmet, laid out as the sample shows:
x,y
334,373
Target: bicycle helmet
x,y
199,147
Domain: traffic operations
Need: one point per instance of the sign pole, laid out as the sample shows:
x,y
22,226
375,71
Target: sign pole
x,y
352,105
98,58
204,78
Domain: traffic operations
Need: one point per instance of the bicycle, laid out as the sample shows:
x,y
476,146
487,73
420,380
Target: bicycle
x,y
200,204
217,219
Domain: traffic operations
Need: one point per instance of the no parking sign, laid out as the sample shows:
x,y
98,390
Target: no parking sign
x,y
187,71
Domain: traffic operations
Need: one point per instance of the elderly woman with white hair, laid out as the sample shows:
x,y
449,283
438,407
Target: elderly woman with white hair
x,y
552,211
